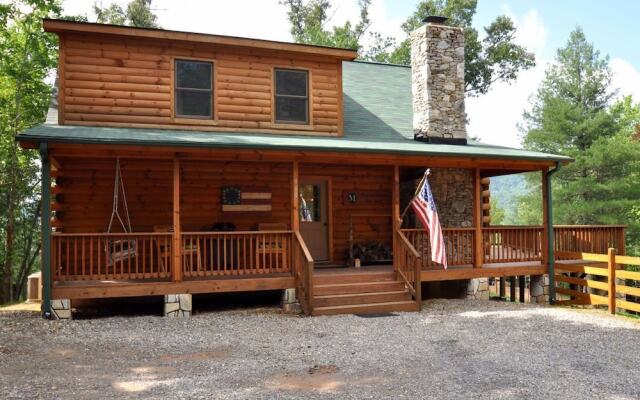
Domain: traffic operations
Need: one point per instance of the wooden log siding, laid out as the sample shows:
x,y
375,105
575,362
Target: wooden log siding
x,y
88,193
371,219
127,82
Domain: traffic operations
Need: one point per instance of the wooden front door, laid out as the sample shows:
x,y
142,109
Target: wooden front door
x,y
314,217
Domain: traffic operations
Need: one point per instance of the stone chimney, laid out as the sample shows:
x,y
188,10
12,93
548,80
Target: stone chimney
x,y
437,69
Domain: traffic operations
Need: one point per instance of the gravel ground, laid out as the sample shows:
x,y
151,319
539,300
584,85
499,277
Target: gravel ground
x,y
453,349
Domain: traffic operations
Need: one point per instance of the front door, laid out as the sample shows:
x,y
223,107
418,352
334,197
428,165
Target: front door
x,y
314,217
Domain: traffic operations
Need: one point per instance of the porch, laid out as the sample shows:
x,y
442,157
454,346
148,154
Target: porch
x,y
233,222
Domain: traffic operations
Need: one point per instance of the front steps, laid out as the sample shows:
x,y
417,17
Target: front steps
x,y
360,293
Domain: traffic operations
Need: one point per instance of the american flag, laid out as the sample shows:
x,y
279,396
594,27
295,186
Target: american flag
x,y
425,209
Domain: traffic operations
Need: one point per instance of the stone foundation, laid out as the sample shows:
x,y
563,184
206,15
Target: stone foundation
x,y
478,289
61,309
290,303
177,305
539,289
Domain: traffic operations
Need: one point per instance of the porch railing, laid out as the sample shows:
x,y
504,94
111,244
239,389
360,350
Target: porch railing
x,y
459,244
110,256
303,272
408,266
206,254
502,244
512,244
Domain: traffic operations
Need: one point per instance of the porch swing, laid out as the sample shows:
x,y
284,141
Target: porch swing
x,y
120,249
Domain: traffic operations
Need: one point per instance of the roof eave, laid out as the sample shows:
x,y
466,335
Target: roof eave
x,y
59,26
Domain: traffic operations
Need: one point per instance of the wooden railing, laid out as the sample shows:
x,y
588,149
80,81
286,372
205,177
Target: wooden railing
x,y
459,245
512,244
408,266
579,282
303,265
110,256
206,254
589,238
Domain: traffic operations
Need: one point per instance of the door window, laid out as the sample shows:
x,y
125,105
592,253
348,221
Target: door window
x,y
310,203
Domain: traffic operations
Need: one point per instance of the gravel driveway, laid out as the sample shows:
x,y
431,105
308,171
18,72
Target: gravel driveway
x,y
454,349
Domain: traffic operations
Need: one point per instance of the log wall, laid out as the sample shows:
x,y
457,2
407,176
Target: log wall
x,y
86,193
371,214
120,81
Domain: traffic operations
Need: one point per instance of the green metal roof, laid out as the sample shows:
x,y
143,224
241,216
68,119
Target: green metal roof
x,y
377,119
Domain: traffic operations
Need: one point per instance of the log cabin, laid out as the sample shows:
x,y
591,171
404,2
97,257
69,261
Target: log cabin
x,y
178,163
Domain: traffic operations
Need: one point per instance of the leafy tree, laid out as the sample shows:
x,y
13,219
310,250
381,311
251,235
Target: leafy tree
x,y
138,14
497,212
308,20
495,58
572,115
27,57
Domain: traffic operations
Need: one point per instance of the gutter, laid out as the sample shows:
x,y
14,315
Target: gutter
x,y
550,251
46,231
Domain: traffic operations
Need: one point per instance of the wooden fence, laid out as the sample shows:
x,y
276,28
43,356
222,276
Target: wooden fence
x,y
598,279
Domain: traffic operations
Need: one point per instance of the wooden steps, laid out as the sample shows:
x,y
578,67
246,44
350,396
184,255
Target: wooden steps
x,y
360,293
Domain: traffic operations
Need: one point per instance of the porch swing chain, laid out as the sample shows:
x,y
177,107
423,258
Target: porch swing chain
x,y
118,186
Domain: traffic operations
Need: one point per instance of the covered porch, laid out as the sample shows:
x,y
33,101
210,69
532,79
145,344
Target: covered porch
x,y
206,220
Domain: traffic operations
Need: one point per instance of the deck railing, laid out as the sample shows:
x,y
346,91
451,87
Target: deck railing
x,y
206,254
408,266
589,238
459,244
512,244
111,256
303,265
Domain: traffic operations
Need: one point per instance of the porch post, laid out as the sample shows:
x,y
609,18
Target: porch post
x,y
177,240
478,252
545,225
295,202
46,231
395,208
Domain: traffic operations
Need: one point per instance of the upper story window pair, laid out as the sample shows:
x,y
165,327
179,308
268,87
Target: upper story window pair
x,y
194,92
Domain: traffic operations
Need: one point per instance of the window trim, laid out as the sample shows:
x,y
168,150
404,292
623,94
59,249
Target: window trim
x,y
193,119
308,118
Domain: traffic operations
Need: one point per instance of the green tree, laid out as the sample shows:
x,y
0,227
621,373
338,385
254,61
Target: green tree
x,y
494,58
27,57
572,115
138,13
309,19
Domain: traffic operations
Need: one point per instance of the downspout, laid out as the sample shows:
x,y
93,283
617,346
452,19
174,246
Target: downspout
x,y
46,231
550,253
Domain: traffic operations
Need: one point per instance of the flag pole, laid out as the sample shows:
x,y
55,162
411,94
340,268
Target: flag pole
x,y
418,189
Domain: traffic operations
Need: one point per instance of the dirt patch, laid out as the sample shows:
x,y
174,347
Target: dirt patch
x,y
220,353
319,378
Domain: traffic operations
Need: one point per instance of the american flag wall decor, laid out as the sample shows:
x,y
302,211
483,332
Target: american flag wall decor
x,y
235,199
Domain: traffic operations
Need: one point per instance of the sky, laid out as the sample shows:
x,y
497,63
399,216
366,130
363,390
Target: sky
x,y
542,26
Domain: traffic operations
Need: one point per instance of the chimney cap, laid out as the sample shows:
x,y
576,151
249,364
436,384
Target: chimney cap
x,y
436,19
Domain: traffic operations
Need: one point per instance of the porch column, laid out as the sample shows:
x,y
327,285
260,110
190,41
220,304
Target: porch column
x,y
177,240
46,231
395,208
295,214
545,225
477,220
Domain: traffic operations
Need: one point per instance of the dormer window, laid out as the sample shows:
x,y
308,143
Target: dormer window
x,y
291,96
193,89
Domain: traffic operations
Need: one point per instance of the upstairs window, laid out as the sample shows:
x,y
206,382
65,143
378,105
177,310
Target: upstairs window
x,y
193,89
292,96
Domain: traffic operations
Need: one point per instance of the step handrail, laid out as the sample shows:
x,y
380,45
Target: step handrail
x,y
303,272
408,266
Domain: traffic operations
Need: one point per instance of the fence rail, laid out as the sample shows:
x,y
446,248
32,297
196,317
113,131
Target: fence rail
x,y
459,244
512,244
601,279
